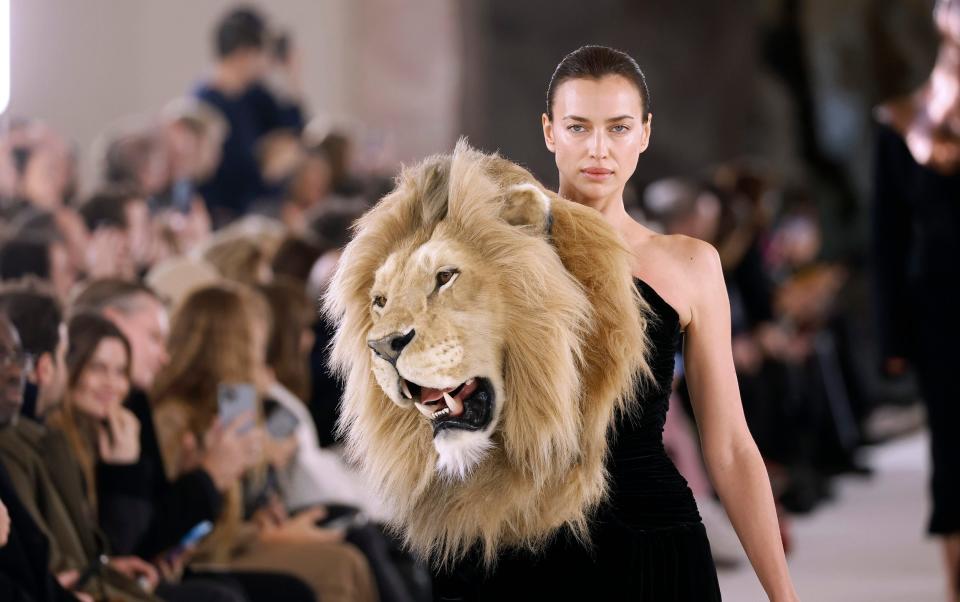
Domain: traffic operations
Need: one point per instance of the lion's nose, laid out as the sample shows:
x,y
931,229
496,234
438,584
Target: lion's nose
x,y
390,346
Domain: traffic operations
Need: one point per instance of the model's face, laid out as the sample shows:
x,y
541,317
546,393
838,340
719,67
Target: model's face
x,y
103,383
597,134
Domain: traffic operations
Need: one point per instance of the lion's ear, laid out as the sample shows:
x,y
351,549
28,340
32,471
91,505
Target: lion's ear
x,y
527,205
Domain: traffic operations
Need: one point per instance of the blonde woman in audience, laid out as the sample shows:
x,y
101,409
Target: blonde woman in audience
x,y
219,336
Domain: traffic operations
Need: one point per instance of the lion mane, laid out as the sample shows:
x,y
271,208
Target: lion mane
x,y
546,291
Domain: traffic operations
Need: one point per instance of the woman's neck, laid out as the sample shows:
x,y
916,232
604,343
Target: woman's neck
x,y
610,207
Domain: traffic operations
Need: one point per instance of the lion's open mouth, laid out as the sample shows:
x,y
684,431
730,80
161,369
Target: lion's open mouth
x,y
468,406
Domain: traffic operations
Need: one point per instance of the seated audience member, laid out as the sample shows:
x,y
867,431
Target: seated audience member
x,y
24,550
119,223
136,157
37,314
295,258
46,258
251,111
139,509
239,258
315,475
48,483
307,187
175,278
156,512
102,433
218,337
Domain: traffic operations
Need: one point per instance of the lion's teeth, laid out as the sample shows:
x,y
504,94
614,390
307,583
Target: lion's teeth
x,y
405,388
454,405
424,410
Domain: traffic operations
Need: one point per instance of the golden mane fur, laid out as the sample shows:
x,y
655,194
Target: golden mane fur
x,y
571,327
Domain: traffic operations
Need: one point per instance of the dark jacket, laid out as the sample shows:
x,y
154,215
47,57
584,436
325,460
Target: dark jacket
x,y
141,511
25,559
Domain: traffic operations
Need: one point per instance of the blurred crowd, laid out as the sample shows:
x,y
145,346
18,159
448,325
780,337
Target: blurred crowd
x,y
132,317
167,424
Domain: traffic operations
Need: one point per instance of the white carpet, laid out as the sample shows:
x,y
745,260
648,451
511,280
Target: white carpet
x,y
868,543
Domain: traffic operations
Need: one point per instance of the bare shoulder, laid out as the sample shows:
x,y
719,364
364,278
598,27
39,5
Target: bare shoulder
x,y
685,271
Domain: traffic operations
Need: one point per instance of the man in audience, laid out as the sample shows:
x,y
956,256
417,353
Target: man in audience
x,y
46,257
119,223
166,511
36,313
24,549
237,91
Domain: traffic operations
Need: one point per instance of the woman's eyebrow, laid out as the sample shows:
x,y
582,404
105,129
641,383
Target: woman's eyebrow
x,y
585,120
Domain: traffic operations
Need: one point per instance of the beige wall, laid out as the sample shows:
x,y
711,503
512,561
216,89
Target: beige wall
x,y
82,64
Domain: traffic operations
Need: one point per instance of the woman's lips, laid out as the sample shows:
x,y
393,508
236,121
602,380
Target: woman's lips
x,y
596,173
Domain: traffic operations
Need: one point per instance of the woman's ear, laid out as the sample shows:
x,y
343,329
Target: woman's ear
x,y
43,369
548,132
647,125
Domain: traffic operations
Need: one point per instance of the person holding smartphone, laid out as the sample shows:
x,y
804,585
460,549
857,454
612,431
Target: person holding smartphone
x,y
217,371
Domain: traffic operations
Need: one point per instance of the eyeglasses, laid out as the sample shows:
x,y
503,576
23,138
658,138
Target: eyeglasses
x,y
15,358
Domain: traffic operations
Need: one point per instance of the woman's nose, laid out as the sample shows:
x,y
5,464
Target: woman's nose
x,y
598,145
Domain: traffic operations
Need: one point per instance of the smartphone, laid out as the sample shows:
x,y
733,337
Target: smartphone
x,y
234,399
189,541
281,422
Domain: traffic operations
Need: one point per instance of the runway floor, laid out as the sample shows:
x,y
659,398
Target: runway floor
x,y
868,543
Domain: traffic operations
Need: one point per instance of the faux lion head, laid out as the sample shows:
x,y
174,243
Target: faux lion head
x,y
488,331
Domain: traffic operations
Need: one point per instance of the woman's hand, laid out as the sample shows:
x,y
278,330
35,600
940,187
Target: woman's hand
x,y
118,437
302,528
228,452
68,580
4,525
137,569
280,452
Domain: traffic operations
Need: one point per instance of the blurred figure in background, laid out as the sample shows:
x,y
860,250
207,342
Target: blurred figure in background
x,y
121,240
246,54
219,335
916,218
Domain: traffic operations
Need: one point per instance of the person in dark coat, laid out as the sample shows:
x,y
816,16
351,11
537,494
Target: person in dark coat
x,y
916,248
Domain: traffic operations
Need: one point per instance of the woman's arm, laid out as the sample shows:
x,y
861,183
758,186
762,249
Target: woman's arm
x,y
731,456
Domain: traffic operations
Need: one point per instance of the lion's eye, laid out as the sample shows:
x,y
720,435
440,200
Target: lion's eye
x,y
446,276
379,301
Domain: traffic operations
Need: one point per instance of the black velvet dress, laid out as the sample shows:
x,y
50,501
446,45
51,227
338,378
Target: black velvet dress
x,y
648,543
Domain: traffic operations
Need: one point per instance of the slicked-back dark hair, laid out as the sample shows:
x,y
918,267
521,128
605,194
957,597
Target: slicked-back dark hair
x,y
240,28
595,62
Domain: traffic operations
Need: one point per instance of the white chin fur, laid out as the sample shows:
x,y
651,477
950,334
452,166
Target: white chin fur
x,y
460,451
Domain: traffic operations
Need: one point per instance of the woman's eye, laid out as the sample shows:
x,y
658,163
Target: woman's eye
x,y
445,276
576,128
620,129
379,301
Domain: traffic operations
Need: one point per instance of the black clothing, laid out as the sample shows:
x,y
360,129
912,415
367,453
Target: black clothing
x,y
326,389
916,245
25,560
250,115
648,543
142,512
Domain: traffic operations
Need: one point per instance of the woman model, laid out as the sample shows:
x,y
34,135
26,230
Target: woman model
x,y
916,217
647,541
